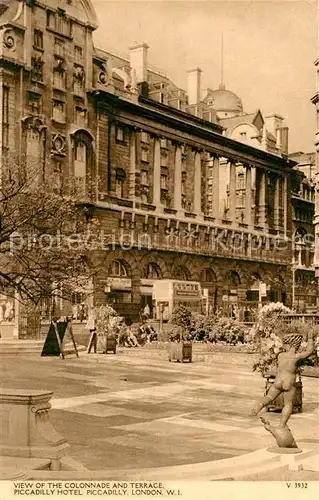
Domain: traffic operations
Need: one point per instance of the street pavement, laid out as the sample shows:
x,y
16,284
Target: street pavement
x,y
135,410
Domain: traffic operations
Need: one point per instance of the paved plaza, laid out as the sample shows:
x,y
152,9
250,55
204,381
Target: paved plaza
x,y
135,410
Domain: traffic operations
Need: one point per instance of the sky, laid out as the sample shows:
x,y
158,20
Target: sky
x,y
269,48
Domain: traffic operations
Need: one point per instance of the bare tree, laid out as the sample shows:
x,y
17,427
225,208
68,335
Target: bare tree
x,y
47,234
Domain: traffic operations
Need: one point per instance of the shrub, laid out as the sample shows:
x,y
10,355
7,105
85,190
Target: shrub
x,y
270,342
176,333
198,327
181,316
106,318
228,331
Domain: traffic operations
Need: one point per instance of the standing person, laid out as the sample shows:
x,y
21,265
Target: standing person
x,y
90,325
147,312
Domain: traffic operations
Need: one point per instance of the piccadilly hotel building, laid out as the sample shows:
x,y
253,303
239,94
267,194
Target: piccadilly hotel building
x,y
176,197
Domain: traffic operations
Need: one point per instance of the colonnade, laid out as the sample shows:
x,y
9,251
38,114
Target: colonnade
x,y
257,205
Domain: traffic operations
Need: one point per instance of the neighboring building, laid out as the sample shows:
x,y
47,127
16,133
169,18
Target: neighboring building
x,y
303,210
315,100
176,197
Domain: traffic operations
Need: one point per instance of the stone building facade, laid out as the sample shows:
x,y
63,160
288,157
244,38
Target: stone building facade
x,y
176,197
315,100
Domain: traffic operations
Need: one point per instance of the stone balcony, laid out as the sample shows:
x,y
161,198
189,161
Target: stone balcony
x,y
224,243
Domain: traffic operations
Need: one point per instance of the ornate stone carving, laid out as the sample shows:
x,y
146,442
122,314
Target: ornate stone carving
x,y
79,74
9,40
59,146
33,122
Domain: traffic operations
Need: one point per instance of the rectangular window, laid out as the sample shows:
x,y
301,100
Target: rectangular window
x,y
5,117
145,137
241,181
59,79
144,155
119,188
59,47
144,178
59,22
58,111
38,39
163,181
35,103
57,176
36,69
120,134
78,54
80,116
164,161
78,86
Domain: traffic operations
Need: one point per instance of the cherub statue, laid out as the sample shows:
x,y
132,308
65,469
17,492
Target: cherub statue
x,y
285,384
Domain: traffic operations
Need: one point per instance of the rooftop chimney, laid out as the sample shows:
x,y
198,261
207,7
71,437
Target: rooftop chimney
x,y
194,76
273,122
138,61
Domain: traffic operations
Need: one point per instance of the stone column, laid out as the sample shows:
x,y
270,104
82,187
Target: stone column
x,y
232,191
262,200
132,180
157,172
248,189
216,207
178,178
197,183
277,204
285,206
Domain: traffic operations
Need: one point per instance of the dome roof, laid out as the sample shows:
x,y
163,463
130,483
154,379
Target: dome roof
x,y
224,100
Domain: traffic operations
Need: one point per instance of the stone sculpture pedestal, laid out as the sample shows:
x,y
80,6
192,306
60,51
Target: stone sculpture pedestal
x,y
25,427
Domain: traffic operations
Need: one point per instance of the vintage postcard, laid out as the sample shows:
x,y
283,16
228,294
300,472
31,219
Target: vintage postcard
x,y
159,249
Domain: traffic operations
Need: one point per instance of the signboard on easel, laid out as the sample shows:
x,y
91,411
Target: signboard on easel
x,y
58,335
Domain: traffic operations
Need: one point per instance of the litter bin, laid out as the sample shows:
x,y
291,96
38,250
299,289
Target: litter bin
x,y
180,352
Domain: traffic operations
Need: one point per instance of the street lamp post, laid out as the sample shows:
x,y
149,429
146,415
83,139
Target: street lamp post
x,y
293,286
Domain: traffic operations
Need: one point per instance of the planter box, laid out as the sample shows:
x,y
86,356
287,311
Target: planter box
x,y
180,352
278,403
110,345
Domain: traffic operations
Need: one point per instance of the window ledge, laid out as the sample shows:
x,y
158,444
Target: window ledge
x,y
54,120
57,89
67,37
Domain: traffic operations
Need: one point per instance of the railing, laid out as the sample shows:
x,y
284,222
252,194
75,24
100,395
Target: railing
x,y
313,319
198,244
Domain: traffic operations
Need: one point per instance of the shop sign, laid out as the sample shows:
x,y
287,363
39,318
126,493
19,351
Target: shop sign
x,y
146,282
263,289
186,289
119,283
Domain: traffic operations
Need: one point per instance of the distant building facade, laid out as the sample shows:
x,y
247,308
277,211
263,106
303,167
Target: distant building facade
x,y
315,100
178,195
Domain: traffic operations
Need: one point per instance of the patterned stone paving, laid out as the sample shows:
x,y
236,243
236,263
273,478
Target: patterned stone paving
x,y
129,411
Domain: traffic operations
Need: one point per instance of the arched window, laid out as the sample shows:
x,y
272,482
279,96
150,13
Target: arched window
x,y
80,165
80,152
181,273
234,278
152,271
118,269
208,276
119,182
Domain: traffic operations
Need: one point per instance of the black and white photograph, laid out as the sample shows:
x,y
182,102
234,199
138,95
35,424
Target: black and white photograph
x,y
159,249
